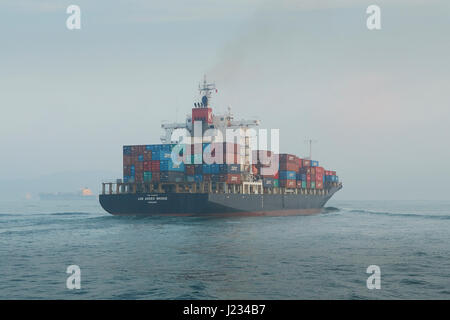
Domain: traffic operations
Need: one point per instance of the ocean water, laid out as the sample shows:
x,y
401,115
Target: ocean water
x,y
323,256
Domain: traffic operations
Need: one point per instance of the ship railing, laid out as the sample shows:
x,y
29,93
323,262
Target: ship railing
x,y
110,188
119,187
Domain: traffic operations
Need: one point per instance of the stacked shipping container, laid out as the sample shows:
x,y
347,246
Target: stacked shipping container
x,y
154,163
293,172
158,163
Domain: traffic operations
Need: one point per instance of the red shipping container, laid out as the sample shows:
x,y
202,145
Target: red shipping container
x,y
299,184
233,178
255,169
288,183
154,163
127,160
306,163
319,185
139,170
139,166
274,176
300,163
155,176
289,166
320,170
126,171
319,177
202,114
308,185
333,173
147,155
308,178
207,177
139,177
277,175
189,169
285,157
147,166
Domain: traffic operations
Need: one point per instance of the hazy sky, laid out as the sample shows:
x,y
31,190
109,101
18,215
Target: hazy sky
x,y
378,102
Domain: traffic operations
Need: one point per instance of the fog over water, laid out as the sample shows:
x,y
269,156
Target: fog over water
x,y
377,102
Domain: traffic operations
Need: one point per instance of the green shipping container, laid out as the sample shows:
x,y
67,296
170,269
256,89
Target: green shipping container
x,y
303,184
276,183
313,185
147,176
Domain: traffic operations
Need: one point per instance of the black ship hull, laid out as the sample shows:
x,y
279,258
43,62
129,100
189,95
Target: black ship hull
x,y
213,204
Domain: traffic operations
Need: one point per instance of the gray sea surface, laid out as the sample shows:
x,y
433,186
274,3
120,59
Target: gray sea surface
x,y
323,256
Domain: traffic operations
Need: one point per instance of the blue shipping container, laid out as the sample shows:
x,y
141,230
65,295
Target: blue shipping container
x,y
288,175
215,168
155,154
164,155
206,169
166,147
230,168
168,165
127,150
268,182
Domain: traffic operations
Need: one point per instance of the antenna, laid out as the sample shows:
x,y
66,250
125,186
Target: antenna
x,y
310,142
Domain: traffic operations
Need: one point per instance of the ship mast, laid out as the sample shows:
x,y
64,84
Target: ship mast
x,y
205,90
310,142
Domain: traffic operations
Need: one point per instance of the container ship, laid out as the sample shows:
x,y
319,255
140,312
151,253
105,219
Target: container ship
x,y
200,175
